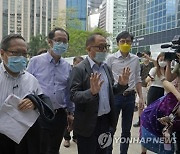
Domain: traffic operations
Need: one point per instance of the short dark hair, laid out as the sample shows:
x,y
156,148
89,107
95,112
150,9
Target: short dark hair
x,y
91,38
147,52
52,32
5,42
124,35
78,58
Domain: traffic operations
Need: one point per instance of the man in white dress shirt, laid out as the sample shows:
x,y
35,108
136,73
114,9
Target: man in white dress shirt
x,y
14,80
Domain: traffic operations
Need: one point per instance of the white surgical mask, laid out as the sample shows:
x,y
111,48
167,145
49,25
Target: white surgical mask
x,y
162,63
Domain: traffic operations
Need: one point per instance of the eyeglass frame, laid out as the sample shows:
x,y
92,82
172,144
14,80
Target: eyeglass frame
x,y
102,47
125,41
60,41
15,53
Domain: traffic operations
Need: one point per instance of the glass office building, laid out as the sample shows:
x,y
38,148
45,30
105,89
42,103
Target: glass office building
x,y
153,22
28,17
80,7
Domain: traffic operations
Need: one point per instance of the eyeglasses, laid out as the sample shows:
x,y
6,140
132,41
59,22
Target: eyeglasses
x,y
102,47
125,41
61,40
15,53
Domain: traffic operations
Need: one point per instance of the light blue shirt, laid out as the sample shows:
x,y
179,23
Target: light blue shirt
x,y
53,78
104,106
117,63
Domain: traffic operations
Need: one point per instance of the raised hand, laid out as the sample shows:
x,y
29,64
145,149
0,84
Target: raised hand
x,y
124,78
95,83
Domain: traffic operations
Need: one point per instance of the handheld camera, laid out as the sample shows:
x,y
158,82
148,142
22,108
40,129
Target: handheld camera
x,y
175,45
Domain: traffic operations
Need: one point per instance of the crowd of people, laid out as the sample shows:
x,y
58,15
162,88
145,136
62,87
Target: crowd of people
x,y
87,97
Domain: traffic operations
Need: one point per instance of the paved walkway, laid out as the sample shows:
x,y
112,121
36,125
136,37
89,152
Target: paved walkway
x,y
134,148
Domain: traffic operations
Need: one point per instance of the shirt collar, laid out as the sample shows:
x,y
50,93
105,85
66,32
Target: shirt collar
x,y
92,63
3,69
50,58
119,55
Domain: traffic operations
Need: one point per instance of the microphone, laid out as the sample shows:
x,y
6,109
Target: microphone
x,y
16,86
166,46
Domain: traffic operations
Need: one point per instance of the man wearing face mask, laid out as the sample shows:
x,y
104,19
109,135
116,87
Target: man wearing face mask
x,y
52,72
126,101
15,80
92,89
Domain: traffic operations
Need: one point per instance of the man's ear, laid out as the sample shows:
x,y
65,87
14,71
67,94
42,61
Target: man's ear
x,y
2,52
88,48
50,42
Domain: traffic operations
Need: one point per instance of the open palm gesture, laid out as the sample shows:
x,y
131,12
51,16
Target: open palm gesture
x,y
95,83
124,78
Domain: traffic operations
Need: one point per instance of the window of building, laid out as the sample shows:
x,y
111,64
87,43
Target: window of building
x,y
168,25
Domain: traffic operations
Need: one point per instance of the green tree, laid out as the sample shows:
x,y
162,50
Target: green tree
x,y
69,21
78,41
36,43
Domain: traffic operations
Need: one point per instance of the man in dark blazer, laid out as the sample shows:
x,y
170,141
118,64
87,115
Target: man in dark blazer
x,y
92,89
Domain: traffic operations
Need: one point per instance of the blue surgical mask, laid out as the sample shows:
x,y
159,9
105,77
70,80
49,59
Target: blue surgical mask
x,y
59,48
16,63
100,56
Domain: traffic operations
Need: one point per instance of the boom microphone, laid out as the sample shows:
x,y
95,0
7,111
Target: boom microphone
x,y
166,46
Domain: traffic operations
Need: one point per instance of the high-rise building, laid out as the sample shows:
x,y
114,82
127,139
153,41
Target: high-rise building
x,y
119,18
80,8
106,16
113,17
93,5
153,22
28,17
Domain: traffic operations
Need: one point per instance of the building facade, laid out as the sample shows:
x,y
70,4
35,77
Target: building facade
x,y
80,8
93,5
28,17
119,18
153,22
113,18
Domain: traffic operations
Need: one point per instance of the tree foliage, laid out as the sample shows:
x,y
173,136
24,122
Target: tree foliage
x,y
78,41
78,37
36,43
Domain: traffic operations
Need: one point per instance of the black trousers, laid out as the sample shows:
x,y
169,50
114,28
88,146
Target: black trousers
x,y
52,135
91,145
154,93
30,144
